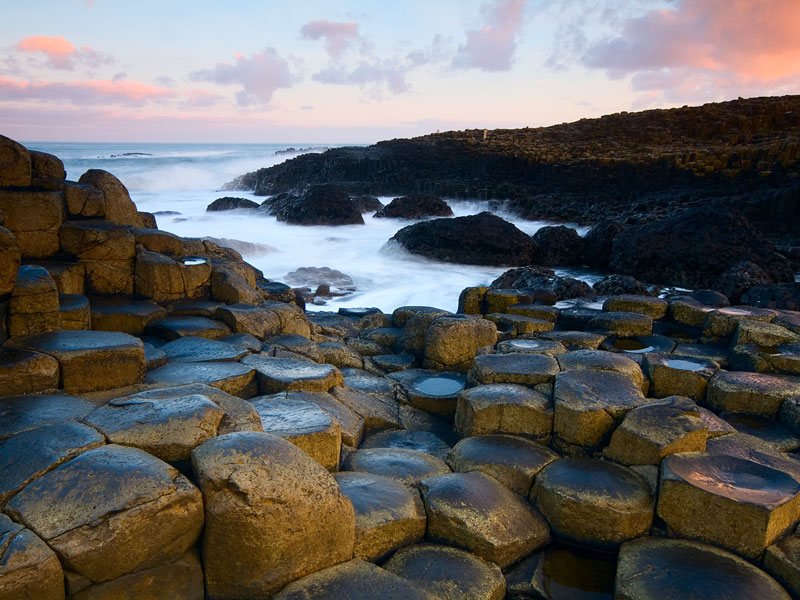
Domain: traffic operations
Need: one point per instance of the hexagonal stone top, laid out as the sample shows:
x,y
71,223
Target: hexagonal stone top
x,y
675,568
21,413
732,477
290,417
286,373
531,346
405,466
528,369
198,349
422,441
66,343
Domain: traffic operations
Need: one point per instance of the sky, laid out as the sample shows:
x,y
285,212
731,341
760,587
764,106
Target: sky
x,y
358,71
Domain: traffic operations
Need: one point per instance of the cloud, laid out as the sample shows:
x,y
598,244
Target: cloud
x,y
338,36
62,54
390,72
492,47
260,76
129,93
705,49
201,99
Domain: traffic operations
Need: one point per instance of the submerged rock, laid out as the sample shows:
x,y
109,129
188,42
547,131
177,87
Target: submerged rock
x,y
482,239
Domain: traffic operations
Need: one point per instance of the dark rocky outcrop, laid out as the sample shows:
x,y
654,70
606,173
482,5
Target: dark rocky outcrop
x,y
230,203
320,205
366,203
783,295
614,285
416,206
598,243
559,245
533,277
706,246
482,239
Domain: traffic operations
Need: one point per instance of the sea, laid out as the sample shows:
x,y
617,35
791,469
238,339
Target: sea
x,y
178,181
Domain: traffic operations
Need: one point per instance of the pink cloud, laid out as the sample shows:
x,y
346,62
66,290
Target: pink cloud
x,y
201,98
61,53
131,93
492,47
338,36
260,76
701,49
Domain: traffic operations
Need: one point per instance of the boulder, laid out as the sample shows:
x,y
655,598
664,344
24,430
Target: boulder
x,y
451,342
695,248
366,204
15,164
598,243
483,239
28,567
112,510
504,408
544,278
750,393
254,485
663,568
559,246
230,203
475,512
321,205
34,217
524,369
33,306
785,296
26,372
614,285
593,502
120,209
82,200
44,165
416,206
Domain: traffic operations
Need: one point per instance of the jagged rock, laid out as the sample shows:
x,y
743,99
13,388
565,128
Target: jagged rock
x,y
321,205
473,511
388,514
541,277
593,502
599,242
416,206
28,567
615,285
112,510
664,568
483,239
248,549
230,203
695,249
559,246
449,573
366,204
782,295
15,164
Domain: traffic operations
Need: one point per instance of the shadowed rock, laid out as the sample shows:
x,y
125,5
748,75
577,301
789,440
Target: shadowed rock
x,y
28,567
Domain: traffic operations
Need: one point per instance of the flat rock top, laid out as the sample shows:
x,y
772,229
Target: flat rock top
x,y
99,482
731,477
756,382
287,369
516,363
422,441
505,450
200,372
20,413
407,466
79,341
115,307
420,382
498,394
674,568
375,495
286,416
525,346
197,349
601,388
597,482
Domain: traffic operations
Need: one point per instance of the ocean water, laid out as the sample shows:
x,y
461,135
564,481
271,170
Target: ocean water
x,y
186,178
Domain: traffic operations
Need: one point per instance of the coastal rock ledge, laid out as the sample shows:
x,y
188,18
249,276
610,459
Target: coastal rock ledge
x,y
173,425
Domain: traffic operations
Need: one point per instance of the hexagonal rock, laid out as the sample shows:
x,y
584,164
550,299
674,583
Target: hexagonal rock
x,y
119,207
504,408
602,360
431,391
111,510
767,430
421,441
449,573
163,278
518,324
91,360
125,316
230,377
15,164
784,358
530,346
623,324
292,318
22,413
470,300
378,411
474,511
28,567
665,568
83,200
408,467
9,261
168,429
75,312
782,561
738,504
246,318
388,514
198,349
34,217
722,322
172,328
181,579
651,432
525,369
26,372
688,311
354,580
575,340
352,424
498,300
304,424
655,308
287,374
340,355
33,306
535,311
675,375
451,342
30,454
589,405
762,334
750,393
593,502
511,460
254,486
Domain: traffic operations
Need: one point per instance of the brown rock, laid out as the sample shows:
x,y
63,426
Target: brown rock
x,y
9,261
26,372
34,217
28,567
15,164
33,306
120,209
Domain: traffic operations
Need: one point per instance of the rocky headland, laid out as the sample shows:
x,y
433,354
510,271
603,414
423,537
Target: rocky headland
x,y
173,425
